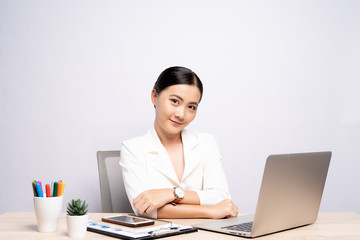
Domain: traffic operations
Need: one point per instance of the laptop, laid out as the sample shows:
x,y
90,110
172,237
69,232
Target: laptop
x,y
290,196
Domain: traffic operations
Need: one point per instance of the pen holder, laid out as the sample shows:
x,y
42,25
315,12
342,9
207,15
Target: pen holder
x,y
47,211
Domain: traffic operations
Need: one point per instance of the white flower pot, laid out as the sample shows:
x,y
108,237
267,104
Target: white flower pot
x,y
76,225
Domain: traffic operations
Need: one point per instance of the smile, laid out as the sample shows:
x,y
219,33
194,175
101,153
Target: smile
x,y
176,123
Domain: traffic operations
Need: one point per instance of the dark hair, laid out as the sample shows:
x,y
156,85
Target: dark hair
x,y
177,75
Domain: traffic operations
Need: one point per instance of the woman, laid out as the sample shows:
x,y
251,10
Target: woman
x,y
171,172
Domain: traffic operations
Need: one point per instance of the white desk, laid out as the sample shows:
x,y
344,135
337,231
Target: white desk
x,y
339,226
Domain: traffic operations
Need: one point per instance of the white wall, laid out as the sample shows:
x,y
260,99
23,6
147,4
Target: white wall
x,y
76,76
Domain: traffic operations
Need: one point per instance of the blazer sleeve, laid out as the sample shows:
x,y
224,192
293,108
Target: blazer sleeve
x,y
215,187
134,173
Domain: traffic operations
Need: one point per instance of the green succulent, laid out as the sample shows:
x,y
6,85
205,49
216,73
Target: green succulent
x,y
77,207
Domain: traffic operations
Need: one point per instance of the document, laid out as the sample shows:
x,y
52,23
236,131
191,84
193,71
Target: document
x,y
159,229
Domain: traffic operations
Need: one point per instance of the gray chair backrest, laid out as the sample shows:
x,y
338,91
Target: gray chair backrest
x,y
113,195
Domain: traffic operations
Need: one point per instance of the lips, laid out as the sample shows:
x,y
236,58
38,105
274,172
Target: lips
x,y
176,123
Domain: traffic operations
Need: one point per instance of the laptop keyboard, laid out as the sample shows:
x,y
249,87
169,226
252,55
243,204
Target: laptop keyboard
x,y
243,227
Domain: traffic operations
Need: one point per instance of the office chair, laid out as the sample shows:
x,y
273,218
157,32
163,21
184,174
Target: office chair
x,y
113,195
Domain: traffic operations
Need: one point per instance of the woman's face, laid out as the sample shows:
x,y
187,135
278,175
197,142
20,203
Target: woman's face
x,y
175,107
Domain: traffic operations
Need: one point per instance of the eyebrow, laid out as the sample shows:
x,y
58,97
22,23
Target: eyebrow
x,y
174,95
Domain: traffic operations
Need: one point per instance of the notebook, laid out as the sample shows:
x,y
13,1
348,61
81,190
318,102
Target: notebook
x,y
290,196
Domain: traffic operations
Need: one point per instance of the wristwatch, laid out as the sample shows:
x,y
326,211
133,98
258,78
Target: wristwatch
x,y
179,194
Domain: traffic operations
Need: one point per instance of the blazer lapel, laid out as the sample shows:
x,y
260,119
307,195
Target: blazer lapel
x,y
159,159
190,142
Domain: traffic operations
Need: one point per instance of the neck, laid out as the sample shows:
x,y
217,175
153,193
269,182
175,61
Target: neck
x,y
168,138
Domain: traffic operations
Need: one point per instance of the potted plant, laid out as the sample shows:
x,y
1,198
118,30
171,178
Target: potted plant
x,y
77,218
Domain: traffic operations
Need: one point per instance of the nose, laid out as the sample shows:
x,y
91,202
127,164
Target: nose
x,y
180,113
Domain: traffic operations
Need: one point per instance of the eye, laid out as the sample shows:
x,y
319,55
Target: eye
x,y
192,107
175,101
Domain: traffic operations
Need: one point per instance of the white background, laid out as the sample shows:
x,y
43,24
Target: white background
x,y
76,77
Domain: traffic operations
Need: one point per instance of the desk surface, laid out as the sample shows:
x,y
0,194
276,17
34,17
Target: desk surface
x,y
22,225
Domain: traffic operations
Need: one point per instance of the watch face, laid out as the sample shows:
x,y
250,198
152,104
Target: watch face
x,y
179,193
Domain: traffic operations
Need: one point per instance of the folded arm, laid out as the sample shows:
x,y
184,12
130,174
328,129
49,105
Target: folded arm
x,y
150,200
210,200
225,208
159,199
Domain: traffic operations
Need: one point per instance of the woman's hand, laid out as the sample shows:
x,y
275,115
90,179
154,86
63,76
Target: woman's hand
x,y
150,200
225,208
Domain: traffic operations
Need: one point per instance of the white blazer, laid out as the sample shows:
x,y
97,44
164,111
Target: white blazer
x,y
146,165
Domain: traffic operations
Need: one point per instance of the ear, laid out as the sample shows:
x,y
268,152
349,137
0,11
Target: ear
x,y
154,95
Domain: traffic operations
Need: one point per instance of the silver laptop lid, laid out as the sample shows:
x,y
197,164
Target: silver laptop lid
x,y
291,191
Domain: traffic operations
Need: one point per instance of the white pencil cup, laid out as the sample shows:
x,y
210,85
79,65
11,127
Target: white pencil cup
x,y
47,211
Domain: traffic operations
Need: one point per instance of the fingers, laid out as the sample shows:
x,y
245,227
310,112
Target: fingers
x,y
150,200
225,208
136,200
144,207
231,209
150,209
142,204
235,209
